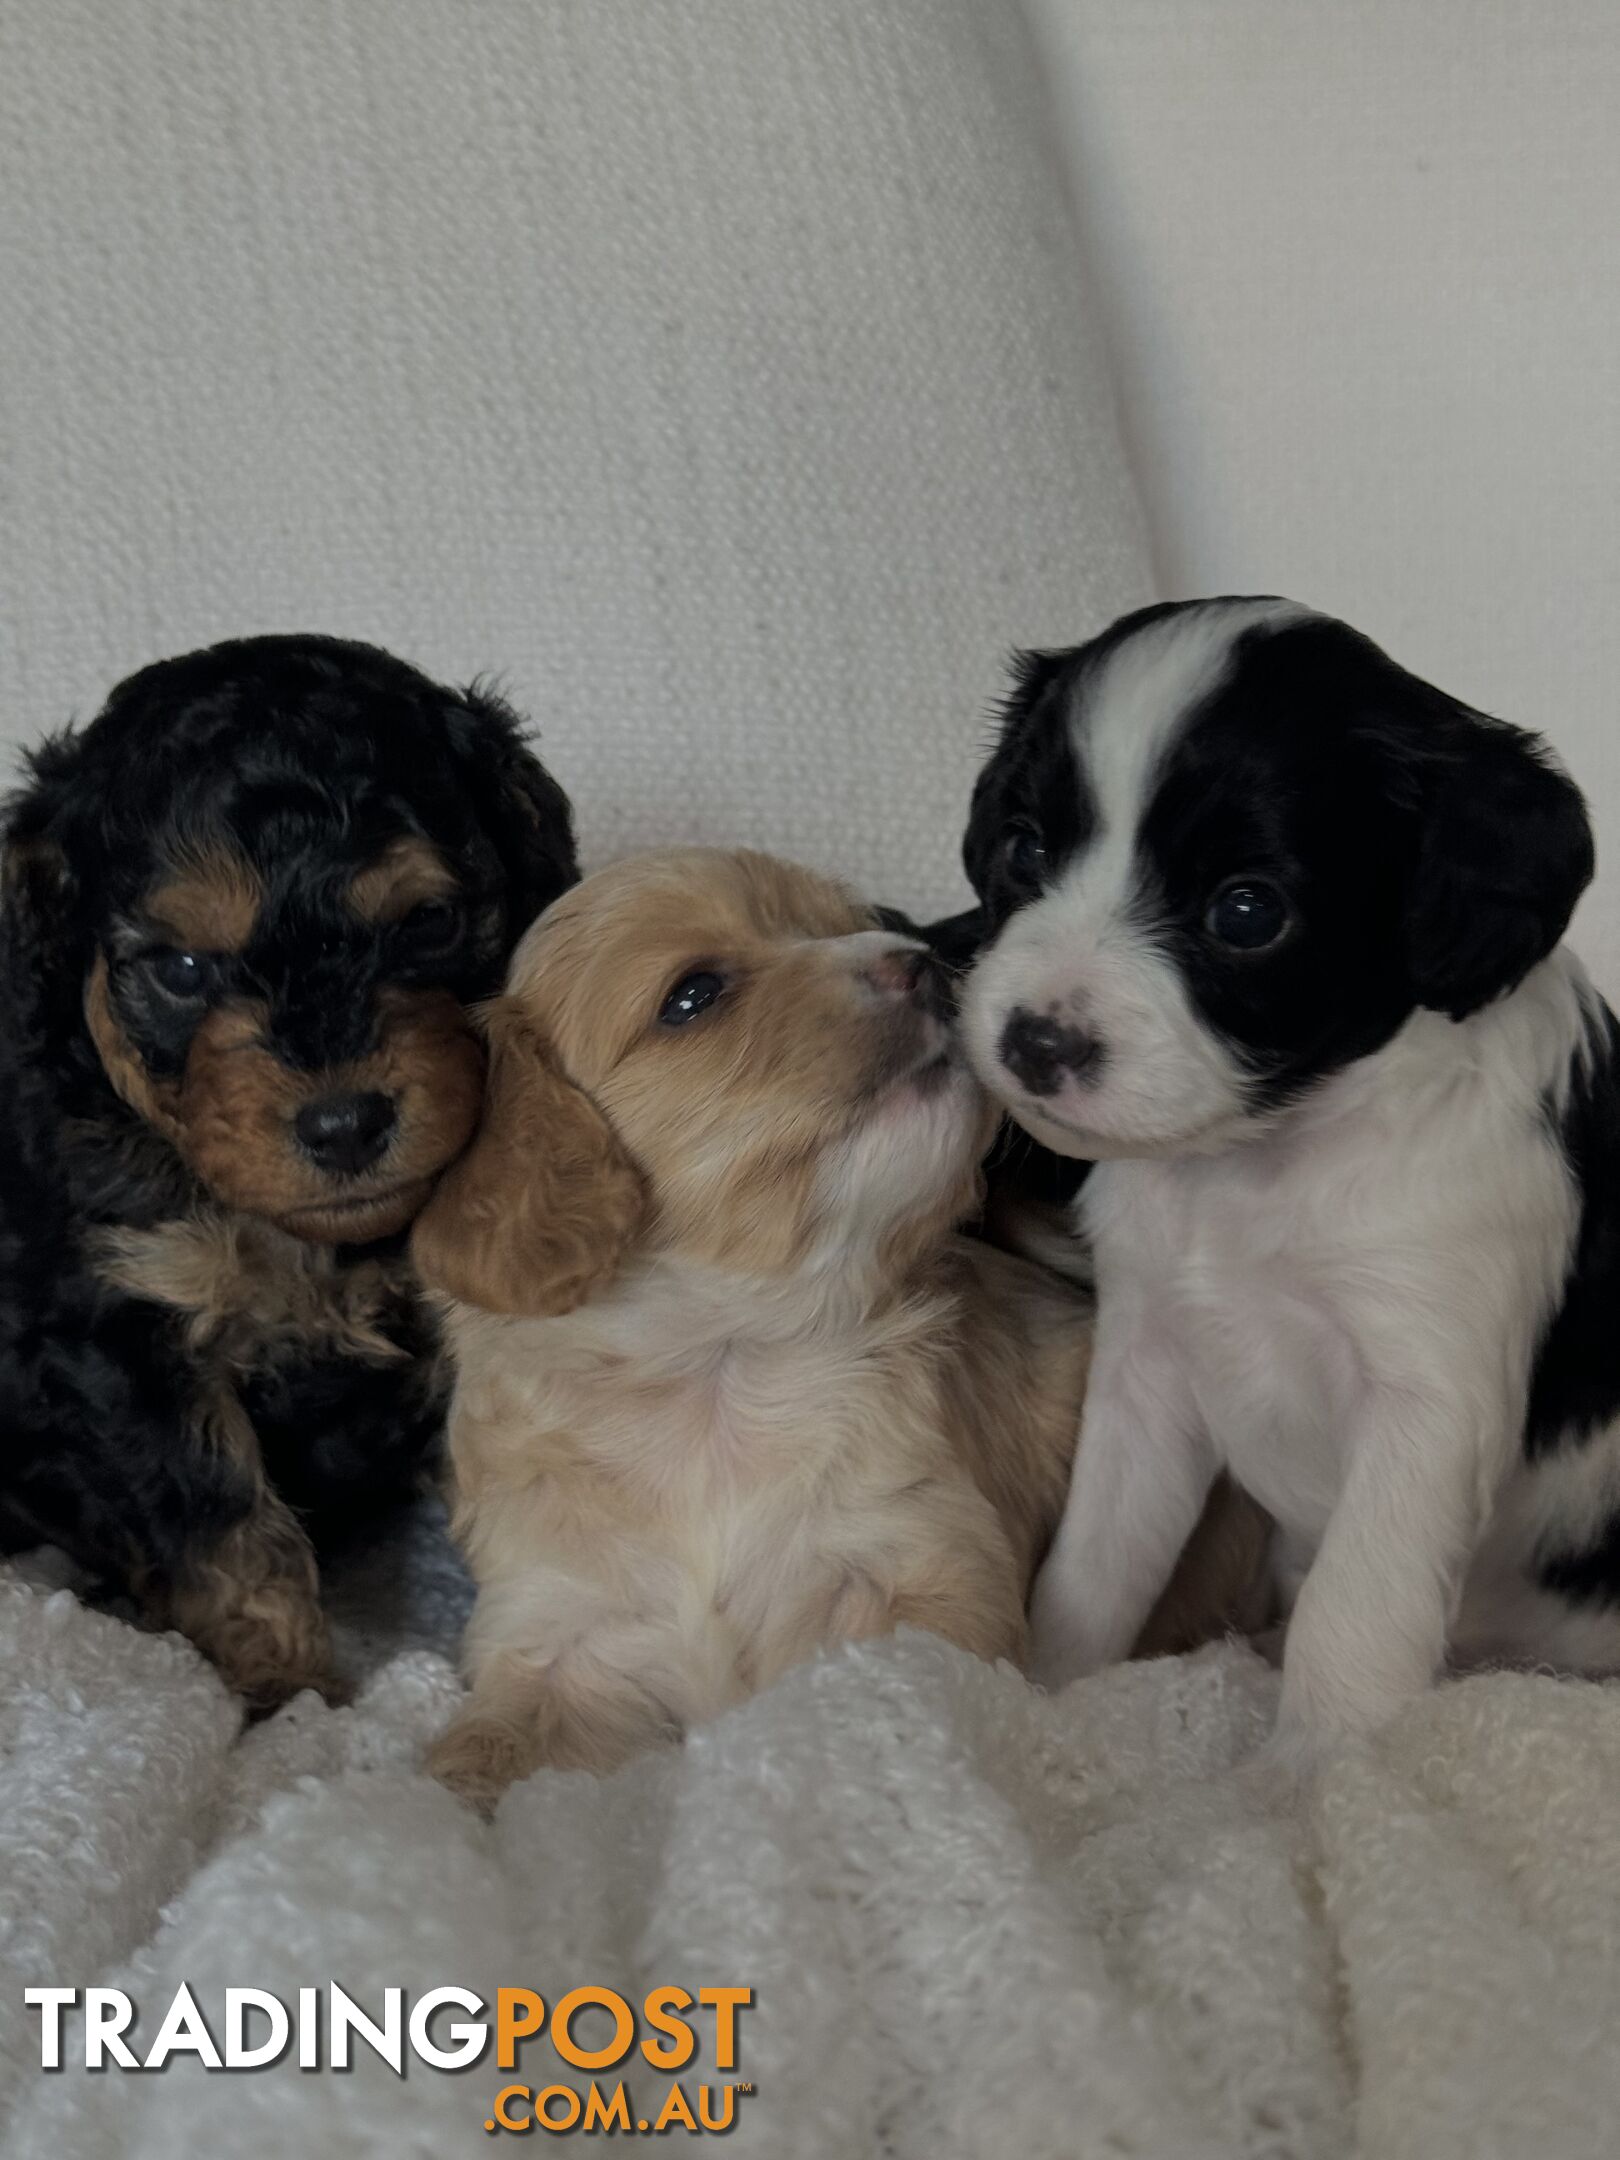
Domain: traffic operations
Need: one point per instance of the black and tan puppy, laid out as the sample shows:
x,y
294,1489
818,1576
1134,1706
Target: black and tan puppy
x,y
245,911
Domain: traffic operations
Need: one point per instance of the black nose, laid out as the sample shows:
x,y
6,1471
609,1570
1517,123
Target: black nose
x,y
346,1133
1041,1052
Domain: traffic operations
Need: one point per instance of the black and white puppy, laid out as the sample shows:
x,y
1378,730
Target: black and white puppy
x,y
1271,934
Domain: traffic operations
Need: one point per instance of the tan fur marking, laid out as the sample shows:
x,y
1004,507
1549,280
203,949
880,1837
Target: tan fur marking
x,y
407,872
253,1609
230,1114
156,1101
244,1287
251,1603
209,902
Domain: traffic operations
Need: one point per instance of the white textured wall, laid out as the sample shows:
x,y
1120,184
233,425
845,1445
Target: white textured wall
x,y
1361,266
715,369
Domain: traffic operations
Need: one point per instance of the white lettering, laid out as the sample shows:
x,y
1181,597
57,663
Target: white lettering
x,y
107,2013
50,2003
239,2054
385,2040
182,2033
470,2040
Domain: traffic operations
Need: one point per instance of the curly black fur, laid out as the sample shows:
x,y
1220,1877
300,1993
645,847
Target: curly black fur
x,y
268,1378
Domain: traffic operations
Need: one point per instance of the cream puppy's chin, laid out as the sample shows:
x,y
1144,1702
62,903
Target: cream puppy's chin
x,y
730,1388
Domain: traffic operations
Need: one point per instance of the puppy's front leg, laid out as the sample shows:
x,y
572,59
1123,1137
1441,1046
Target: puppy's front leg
x,y
972,1596
215,1552
251,1603
1369,1627
1143,1472
574,1712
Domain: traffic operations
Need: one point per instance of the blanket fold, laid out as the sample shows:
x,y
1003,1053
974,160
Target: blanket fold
x,y
975,1921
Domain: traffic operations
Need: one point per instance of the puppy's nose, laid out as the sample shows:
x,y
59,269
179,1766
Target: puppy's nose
x,y
346,1133
1041,1052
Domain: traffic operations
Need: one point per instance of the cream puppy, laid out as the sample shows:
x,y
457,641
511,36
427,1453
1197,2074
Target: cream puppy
x,y
730,1387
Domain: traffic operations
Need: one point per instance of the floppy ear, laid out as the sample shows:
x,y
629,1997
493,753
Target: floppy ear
x,y
525,813
41,905
1504,852
537,1215
1034,677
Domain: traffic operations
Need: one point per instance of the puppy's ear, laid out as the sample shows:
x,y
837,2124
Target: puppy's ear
x,y
955,939
538,1214
525,813
1034,675
1029,771
1504,852
958,940
41,907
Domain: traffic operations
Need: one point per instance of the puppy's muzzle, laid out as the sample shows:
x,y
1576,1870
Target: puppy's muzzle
x,y
1043,1053
345,1134
914,1013
912,972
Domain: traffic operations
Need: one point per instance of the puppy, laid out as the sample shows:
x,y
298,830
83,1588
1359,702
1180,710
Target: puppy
x,y
243,913
1272,934
728,1387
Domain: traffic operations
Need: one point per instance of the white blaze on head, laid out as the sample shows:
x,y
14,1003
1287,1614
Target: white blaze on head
x,y
1085,955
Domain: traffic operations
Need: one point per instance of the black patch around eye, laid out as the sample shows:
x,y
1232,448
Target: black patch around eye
x,y
1023,856
1270,783
1032,806
1248,915
692,995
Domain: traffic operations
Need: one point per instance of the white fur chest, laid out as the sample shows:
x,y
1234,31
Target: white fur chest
x,y
1405,1228
1235,1285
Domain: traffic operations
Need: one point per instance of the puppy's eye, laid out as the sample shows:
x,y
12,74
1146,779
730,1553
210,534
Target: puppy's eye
x,y
1023,855
431,929
1248,915
692,995
186,975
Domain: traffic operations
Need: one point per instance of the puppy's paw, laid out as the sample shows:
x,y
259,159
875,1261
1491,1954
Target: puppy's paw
x,y
1051,1666
1292,1762
478,1758
1291,1758
269,1657
1060,1638
252,1606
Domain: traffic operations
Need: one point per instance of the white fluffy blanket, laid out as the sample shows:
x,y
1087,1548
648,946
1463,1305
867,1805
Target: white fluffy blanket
x,y
976,1922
